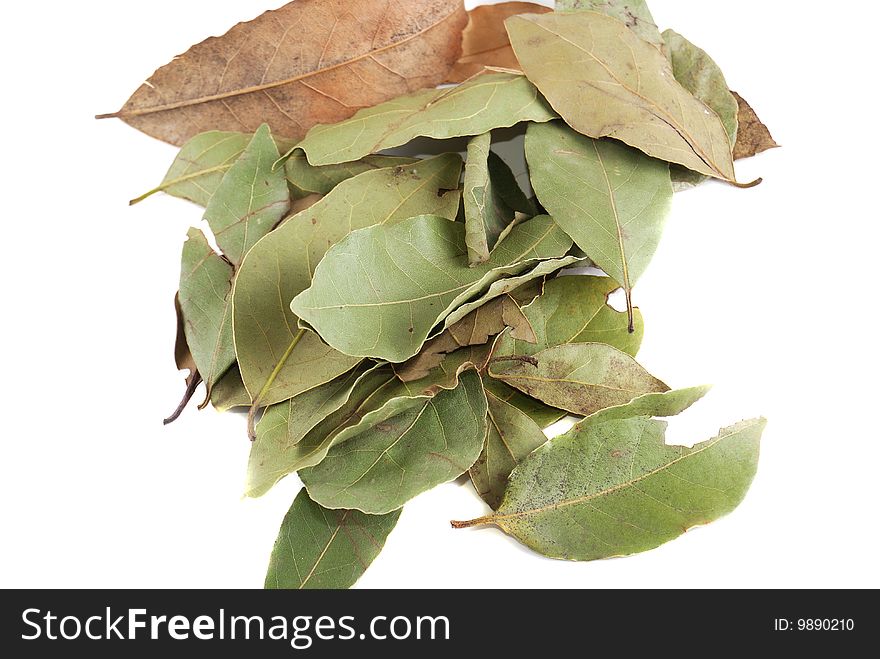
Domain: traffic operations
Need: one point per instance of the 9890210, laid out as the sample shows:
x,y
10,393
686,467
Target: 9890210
x,y
814,624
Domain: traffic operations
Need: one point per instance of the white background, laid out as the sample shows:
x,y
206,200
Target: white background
x,y
769,293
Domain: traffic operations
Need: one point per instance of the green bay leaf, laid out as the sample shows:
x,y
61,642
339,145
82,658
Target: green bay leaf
x,y
611,199
486,102
486,211
663,404
276,361
701,76
512,436
205,287
377,395
581,378
321,548
200,165
229,392
250,200
387,465
616,488
380,291
542,414
321,180
605,81
367,402
633,13
276,451
574,309
510,285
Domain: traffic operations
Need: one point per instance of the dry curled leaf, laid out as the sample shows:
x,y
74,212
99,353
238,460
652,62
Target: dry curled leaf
x,y
309,62
753,137
484,41
183,358
474,329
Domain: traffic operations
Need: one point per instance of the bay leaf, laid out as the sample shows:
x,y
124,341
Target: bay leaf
x,y
484,41
273,453
574,309
281,265
753,137
321,180
512,436
697,72
269,462
616,488
489,101
229,392
474,329
380,291
701,76
377,395
488,186
205,286
509,285
581,378
620,87
633,13
542,414
321,548
571,309
250,200
663,404
611,199
386,466
308,62
200,165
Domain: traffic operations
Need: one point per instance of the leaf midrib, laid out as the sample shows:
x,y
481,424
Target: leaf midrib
x,y
596,385
339,525
611,490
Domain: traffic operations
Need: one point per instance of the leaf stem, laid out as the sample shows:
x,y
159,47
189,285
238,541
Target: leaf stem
x,y
191,387
746,186
479,521
256,404
630,314
138,200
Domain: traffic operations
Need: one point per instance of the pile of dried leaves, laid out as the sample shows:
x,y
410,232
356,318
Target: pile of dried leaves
x,y
394,323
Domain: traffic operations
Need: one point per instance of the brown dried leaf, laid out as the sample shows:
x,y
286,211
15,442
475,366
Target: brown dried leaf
x,y
485,42
185,362
753,136
309,62
475,329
